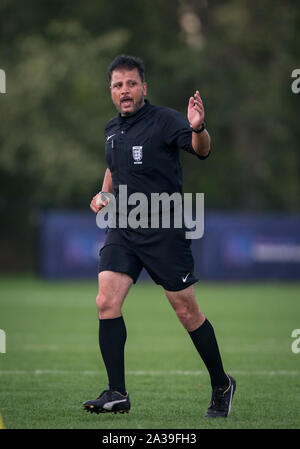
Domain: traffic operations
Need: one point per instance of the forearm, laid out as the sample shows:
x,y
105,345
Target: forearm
x,y
98,202
201,143
107,182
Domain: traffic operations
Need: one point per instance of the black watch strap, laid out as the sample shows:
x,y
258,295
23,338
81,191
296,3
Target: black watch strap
x,y
198,131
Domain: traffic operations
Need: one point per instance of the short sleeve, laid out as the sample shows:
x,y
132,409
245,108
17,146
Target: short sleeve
x,y
177,132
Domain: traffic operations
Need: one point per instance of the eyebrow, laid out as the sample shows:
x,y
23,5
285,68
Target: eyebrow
x,y
129,80
115,83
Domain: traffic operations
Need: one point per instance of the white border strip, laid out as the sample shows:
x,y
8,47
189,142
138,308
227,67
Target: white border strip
x,y
38,372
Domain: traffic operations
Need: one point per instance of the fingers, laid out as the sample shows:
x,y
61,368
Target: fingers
x,y
195,112
191,102
198,101
198,105
197,95
95,208
97,204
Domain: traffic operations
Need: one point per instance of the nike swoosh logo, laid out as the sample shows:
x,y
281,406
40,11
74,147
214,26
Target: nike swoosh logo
x,y
109,137
185,278
109,405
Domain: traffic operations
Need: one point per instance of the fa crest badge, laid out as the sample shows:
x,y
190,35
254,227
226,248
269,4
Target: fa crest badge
x,y
137,154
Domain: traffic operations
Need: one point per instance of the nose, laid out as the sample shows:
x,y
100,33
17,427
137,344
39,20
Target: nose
x,y
124,90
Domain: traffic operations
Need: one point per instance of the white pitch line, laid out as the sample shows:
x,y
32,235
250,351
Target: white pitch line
x,y
38,372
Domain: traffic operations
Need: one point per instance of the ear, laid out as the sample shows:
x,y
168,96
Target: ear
x,y
145,89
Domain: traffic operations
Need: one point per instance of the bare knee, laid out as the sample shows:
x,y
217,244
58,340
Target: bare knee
x,y
189,316
106,306
112,291
186,309
184,313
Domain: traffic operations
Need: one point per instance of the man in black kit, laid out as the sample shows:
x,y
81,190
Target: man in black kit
x,y
143,144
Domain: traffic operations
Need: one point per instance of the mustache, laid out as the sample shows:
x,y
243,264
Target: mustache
x,y
126,99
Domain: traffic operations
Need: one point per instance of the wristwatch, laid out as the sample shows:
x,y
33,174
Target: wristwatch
x,y
198,131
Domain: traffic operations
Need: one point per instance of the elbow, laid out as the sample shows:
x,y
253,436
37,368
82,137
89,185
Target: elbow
x,y
205,151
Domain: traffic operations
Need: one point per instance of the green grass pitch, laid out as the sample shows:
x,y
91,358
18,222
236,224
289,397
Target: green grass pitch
x,y
52,362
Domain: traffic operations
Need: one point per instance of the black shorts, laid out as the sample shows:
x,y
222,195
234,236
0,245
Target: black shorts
x,y
164,253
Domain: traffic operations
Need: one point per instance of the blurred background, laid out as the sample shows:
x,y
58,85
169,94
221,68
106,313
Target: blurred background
x,y
240,54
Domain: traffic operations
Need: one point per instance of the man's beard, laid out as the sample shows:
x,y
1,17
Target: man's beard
x,y
136,107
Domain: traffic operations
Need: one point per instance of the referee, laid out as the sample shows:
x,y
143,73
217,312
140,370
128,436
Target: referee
x,y
142,147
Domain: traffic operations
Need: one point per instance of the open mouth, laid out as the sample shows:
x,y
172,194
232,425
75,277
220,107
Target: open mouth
x,y
126,102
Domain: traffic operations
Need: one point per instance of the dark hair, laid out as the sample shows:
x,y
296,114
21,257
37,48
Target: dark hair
x,y
129,63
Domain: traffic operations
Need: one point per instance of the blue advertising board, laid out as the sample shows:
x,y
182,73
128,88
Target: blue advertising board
x,y
248,246
234,246
69,245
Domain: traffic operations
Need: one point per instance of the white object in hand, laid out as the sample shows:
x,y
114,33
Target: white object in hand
x,y
101,198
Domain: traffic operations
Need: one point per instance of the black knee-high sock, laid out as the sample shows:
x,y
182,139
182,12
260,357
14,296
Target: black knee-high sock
x,y
206,344
112,338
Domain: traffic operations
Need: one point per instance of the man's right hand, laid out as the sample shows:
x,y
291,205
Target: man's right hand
x,y
97,203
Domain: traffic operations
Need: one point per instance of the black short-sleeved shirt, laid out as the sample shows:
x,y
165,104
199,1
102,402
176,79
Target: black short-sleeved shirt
x,y
143,150
143,154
